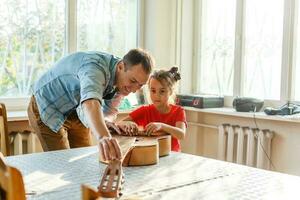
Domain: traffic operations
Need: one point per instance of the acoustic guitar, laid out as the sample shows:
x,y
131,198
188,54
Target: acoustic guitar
x,y
136,151
142,150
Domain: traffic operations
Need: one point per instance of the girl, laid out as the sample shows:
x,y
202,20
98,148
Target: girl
x,y
161,115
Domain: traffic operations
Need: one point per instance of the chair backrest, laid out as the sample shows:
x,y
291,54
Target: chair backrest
x,y
89,193
11,182
4,140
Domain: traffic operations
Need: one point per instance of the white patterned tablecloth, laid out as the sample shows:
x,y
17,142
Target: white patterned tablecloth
x,y
59,175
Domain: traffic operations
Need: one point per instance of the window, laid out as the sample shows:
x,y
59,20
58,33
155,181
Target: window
x,y
242,44
33,35
263,48
107,25
217,46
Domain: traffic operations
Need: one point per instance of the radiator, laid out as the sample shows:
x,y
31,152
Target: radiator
x,y
22,142
245,145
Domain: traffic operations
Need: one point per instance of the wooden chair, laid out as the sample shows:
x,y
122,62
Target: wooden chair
x,y
4,139
89,193
11,182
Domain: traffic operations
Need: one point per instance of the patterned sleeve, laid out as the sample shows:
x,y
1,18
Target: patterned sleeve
x,y
93,82
92,86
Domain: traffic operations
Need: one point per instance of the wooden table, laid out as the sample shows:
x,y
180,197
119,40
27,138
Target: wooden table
x,y
59,174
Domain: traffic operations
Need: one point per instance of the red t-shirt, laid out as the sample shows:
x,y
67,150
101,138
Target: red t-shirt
x,y
148,113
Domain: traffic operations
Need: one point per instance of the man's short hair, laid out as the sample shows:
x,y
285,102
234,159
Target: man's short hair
x,y
139,56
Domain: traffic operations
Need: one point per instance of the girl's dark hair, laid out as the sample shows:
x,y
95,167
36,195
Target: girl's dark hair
x,y
174,72
169,77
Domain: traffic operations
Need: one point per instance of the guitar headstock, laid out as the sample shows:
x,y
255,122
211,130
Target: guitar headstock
x,y
110,186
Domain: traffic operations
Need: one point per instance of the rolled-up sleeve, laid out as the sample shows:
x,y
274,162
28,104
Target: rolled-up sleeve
x,y
93,82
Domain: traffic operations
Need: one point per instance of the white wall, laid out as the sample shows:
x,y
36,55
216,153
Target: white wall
x,y
285,146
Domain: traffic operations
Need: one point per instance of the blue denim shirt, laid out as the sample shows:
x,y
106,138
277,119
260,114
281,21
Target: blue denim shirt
x,y
73,79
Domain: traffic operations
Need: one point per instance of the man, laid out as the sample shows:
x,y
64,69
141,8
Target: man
x,y
78,92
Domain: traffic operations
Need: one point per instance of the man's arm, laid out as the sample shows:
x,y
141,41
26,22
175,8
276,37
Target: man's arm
x,y
109,146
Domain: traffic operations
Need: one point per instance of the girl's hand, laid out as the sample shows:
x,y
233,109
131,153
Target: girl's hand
x,y
128,128
153,128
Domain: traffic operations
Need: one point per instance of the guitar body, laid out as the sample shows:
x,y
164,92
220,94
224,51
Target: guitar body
x,y
147,150
144,150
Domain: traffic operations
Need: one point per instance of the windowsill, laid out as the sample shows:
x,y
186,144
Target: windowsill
x,y
13,116
22,115
258,115
17,116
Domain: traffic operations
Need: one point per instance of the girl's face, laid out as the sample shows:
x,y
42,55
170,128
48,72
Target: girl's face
x,y
159,93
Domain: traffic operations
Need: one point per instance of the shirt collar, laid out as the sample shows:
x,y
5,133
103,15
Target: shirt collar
x,y
113,69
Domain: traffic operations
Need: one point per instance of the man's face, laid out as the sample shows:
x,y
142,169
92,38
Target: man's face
x,y
130,80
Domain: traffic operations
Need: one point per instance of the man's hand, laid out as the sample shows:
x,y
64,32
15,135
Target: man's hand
x,y
113,128
128,128
109,149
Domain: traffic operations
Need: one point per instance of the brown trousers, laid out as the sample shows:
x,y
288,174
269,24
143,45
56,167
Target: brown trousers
x,y
72,134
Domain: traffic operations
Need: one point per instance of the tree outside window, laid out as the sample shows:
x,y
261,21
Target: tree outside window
x,y
32,38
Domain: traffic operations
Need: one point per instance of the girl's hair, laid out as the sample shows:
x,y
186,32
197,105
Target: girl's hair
x,y
169,77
